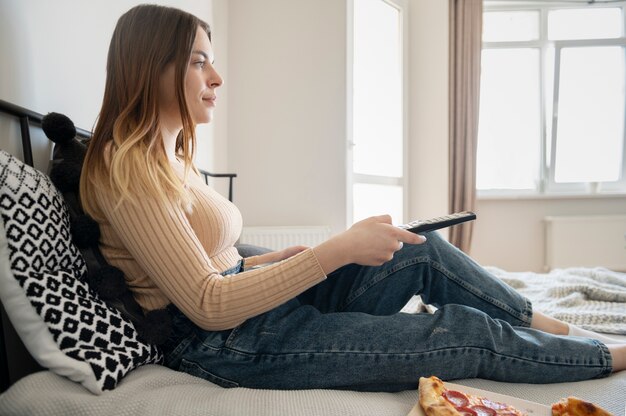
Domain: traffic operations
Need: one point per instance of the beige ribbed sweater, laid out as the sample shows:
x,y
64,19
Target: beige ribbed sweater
x,y
169,255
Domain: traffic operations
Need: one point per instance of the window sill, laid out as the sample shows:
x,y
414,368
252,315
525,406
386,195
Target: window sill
x,y
536,196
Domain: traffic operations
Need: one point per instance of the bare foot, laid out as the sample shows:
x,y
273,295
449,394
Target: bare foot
x,y
618,353
548,324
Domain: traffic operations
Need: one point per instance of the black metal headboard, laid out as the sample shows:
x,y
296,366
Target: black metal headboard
x,y
28,118
10,343
21,360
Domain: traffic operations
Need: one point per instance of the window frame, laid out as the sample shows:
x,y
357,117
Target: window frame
x,y
546,186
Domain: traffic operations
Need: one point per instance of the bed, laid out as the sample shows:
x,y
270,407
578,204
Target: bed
x,y
28,388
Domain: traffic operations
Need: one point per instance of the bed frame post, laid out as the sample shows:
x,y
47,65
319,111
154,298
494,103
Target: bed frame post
x,y
26,146
5,380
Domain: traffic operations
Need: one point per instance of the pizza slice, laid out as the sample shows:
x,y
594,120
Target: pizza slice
x,y
437,400
573,406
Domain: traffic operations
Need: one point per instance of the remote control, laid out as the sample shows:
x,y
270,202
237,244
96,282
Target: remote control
x,y
420,226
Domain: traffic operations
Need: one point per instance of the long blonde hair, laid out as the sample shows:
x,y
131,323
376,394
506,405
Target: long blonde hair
x,y
126,156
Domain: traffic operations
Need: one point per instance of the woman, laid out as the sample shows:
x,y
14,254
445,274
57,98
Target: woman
x,y
321,317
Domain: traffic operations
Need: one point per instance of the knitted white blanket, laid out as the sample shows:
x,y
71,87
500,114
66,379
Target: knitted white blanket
x,y
592,298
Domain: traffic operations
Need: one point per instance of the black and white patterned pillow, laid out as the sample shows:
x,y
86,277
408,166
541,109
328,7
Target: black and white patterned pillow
x,y
44,293
36,221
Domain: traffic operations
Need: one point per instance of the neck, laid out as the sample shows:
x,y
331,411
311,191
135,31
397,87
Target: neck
x,y
169,142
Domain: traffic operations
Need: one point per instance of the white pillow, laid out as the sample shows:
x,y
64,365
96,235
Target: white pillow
x,y
65,326
33,331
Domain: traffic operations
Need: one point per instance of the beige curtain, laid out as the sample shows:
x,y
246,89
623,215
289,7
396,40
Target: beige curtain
x,y
465,48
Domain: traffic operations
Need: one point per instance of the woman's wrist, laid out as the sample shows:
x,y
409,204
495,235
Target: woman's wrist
x,y
257,260
249,262
332,254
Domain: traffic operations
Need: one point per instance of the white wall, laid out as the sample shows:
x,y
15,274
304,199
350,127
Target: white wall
x,y
286,110
287,114
509,233
280,120
428,109
54,58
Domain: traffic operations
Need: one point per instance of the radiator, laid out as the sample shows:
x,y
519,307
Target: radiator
x,y
585,241
277,238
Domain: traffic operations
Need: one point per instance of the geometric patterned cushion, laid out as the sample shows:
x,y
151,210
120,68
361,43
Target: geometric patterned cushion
x,y
44,292
36,221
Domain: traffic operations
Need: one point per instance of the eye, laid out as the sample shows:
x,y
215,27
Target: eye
x,y
200,64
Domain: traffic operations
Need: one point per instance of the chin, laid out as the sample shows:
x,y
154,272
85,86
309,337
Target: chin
x,y
203,118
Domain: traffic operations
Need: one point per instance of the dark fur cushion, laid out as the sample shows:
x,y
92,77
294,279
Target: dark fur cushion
x,y
106,280
68,156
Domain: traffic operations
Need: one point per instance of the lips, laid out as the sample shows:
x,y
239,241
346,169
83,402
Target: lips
x,y
209,100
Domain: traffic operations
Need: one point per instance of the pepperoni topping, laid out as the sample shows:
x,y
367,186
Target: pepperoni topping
x,y
484,410
485,407
457,398
466,411
493,405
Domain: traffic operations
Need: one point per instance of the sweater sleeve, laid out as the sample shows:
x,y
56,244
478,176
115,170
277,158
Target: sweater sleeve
x,y
160,239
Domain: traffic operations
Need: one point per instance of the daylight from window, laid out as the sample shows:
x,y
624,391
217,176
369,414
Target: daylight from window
x,y
591,115
552,101
377,112
509,131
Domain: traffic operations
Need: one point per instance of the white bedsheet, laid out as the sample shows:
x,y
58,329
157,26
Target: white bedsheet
x,y
154,390
593,298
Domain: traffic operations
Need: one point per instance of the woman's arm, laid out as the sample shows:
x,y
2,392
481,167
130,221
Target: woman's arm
x,y
370,242
161,241
272,257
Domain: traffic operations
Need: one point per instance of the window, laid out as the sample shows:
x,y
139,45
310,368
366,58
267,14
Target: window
x,y
553,99
376,133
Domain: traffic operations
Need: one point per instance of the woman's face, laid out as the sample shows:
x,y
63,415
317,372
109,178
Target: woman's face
x,y
201,82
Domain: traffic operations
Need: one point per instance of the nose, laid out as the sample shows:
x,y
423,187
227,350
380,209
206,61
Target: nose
x,y
215,80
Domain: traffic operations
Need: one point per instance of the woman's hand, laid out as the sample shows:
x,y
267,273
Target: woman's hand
x,y
288,252
273,256
370,242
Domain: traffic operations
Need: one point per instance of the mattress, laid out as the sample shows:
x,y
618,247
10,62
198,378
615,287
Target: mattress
x,y
156,390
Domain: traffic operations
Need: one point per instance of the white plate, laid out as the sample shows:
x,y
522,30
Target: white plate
x,y
531,408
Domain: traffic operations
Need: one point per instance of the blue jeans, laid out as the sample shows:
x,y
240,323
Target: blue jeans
x,y
346,332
